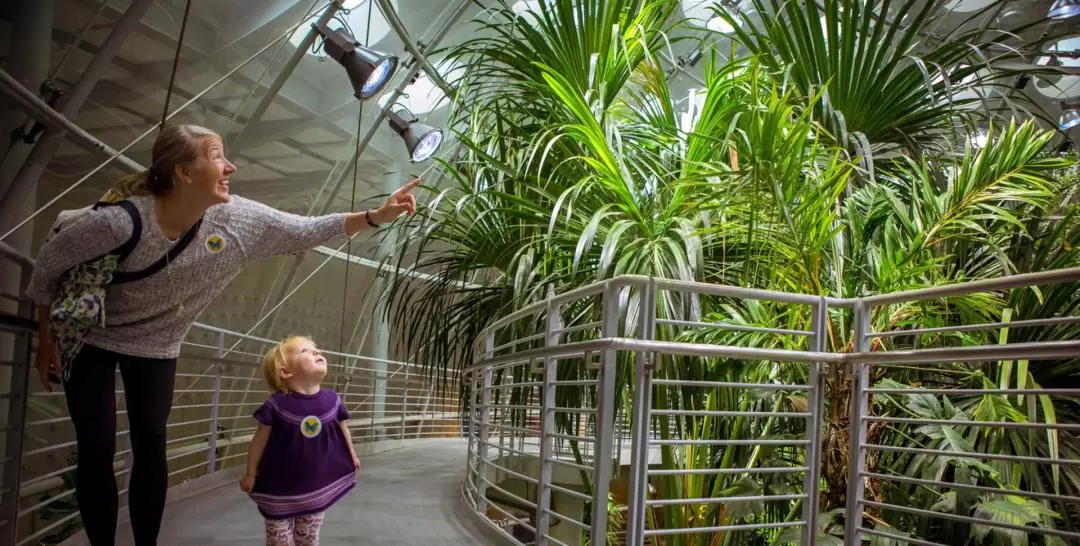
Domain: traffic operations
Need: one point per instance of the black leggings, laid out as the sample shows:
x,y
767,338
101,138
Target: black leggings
x,y
91,399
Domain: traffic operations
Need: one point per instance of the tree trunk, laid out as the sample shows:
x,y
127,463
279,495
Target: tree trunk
x,y
834,456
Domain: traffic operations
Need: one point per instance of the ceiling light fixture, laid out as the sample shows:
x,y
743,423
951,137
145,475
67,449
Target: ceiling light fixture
x,y
1064,9
421,140
423,95
369,70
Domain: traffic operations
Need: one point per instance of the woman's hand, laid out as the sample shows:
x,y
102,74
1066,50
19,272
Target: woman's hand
x,y
400,201
48,362
356,462
247,483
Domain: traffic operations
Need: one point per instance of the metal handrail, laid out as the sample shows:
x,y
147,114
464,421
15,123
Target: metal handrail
x,y
953,289
11,253
1022,280
527,398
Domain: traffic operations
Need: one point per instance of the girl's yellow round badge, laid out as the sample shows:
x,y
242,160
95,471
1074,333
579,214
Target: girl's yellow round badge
x,y
310,426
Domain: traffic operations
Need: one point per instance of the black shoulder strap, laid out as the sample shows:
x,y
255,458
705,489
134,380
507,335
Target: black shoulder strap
x,y
120,277
136,228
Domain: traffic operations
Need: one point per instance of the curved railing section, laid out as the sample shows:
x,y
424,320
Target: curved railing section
x,y
620,413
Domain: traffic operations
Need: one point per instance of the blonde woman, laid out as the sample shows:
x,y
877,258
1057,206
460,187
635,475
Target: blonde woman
x,y
185,192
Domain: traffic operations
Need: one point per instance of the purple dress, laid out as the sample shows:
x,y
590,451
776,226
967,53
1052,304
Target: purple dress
x,y
306,465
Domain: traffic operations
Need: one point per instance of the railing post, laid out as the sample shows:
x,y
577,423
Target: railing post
x,y
17,404
215,402
547,423
637,502
605,418
860,382
485,425
814,425
404,402
346,383
469,416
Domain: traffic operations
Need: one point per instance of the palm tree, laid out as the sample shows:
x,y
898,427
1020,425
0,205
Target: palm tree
x,y
821,161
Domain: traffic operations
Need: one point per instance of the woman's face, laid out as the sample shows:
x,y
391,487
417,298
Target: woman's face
x,y
209,174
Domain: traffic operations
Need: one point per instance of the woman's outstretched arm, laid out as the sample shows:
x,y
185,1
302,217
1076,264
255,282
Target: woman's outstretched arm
x,y
265,231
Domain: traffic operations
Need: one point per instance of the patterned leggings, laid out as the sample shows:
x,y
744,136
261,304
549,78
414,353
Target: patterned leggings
x,y
304,531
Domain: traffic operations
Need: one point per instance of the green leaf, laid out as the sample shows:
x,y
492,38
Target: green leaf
x,y
1013,510
947,503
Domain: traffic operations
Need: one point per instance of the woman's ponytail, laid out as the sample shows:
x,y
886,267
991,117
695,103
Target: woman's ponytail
x,y
128,186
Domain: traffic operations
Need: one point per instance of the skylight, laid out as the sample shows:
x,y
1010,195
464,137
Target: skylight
x,y
424,96
357,18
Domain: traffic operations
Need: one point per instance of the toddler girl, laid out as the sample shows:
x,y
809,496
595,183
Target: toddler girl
x,y
301,459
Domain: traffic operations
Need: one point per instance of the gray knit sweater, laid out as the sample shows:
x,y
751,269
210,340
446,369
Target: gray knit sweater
x,y
150,317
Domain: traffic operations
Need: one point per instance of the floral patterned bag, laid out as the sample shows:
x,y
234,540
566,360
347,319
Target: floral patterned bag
x,y
80,300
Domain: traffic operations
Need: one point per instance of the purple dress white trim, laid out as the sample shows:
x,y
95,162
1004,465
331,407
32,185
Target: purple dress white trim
x,y
306,466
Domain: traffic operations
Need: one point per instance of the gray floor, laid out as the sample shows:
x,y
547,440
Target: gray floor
x,y
406,496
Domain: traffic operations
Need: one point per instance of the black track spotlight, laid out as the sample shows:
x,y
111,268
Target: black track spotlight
x,y
1070,116
1064,9
369,71
421,140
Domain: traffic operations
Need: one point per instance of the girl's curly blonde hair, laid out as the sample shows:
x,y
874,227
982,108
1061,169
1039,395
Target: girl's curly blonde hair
x,y
276,360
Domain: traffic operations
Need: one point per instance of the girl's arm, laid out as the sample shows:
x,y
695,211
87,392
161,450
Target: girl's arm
x,y
255,453
344,425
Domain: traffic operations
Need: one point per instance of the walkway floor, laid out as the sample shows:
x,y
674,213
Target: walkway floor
x,y
408,496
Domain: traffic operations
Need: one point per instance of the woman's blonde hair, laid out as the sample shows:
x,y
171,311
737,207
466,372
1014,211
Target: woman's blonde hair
x,y
174,145
277,359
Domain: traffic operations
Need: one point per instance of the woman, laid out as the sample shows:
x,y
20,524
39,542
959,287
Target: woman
x,y
186,188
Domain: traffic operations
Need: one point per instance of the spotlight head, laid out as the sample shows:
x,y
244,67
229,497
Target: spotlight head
x,y
421,140
1064,9
1069,119
369,71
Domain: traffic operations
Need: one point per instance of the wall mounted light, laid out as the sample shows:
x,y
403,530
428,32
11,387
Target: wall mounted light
x,y
1070,116
1064,9
369,70
421,140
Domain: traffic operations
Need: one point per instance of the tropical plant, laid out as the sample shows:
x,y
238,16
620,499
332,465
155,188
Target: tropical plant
x,y
824,162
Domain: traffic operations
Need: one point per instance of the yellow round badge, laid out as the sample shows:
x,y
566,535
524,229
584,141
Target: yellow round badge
x,y
215,243
311,426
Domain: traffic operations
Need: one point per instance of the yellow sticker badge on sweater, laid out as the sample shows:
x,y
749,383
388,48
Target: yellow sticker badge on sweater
x,y
311,426
215,243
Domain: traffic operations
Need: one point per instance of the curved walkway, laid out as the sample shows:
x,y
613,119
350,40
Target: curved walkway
x,y
406,496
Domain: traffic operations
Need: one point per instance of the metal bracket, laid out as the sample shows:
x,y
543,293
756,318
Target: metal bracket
x,y
593,360
54,93
650,361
